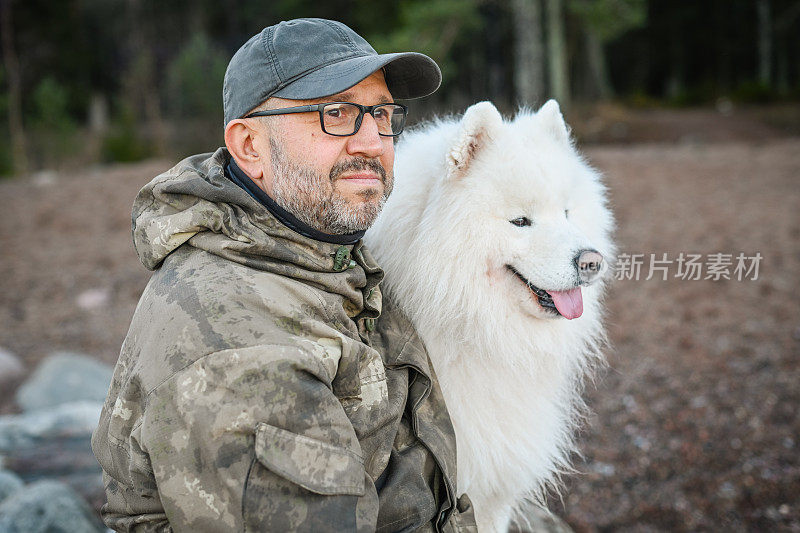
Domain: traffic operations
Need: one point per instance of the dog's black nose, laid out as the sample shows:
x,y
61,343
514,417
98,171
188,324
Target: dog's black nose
x,y
589,264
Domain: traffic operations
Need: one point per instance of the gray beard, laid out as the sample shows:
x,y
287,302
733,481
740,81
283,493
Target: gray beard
x,y
312,199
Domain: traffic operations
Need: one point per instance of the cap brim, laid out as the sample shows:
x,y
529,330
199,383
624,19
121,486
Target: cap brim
x,y
408,75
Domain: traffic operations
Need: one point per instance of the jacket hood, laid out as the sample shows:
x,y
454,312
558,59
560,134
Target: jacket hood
x,y
195,204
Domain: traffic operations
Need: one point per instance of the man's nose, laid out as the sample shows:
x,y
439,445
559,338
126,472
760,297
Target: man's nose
x,y
366,140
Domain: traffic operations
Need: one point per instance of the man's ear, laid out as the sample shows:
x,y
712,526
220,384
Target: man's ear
x,y
239,139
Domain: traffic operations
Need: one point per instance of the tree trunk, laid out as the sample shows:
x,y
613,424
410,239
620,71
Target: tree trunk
x,y
782,74
528,51
675,79
557,52
597,65
19,151
782,32
764,43
142,78
494,54
98,125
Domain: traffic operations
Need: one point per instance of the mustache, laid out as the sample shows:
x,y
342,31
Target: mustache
x,y
358,163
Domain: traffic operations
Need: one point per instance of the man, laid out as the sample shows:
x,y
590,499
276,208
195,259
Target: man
x,y
254,391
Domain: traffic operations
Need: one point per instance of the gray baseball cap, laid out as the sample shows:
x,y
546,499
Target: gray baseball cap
x,y
311,58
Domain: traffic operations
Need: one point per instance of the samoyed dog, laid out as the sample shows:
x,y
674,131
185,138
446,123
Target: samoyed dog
x,y
495,243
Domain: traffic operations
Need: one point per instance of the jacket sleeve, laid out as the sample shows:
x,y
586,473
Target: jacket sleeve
x,y
254,439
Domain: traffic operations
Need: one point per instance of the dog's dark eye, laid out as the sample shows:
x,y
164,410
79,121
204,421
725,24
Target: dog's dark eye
x,y
566,212
521,221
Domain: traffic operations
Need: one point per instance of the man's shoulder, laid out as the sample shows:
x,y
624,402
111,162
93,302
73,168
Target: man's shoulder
x,y
202,281
197,304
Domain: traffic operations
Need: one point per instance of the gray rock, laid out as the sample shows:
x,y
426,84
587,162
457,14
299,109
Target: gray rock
x,y
9,484
70,420
92,299
11,368
54,443
65,377
47,507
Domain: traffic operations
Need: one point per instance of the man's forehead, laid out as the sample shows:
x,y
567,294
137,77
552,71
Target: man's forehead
x,y
349,96
372,87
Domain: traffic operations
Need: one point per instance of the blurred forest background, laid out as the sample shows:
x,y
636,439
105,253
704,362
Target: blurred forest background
x,y
87,81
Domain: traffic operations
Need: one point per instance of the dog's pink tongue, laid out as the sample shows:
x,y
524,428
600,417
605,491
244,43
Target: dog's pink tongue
x,y
569,303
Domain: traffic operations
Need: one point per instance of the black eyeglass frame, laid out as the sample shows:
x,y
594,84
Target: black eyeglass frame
x,y
363,109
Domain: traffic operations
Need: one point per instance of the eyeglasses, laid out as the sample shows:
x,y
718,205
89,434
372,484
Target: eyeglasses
x,y
343,119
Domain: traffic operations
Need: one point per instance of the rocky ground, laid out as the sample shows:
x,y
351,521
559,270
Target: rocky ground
x,y
695,423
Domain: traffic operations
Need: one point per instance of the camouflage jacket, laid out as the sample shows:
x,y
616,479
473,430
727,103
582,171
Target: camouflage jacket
x,y
254,391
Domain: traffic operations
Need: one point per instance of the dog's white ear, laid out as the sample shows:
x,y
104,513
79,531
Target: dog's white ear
x,y
477,125
553,121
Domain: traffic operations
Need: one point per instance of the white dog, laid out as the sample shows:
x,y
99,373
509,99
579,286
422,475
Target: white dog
x,y
494,243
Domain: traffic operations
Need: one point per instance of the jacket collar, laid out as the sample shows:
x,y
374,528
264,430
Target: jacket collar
x,y
195,204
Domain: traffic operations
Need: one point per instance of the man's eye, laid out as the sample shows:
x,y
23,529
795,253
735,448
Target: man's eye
x,y
333,112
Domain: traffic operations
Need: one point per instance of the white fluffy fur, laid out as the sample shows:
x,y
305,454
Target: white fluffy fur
x,y
511,374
